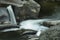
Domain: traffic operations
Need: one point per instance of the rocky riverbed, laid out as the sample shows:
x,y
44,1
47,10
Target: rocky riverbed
x,y
30,9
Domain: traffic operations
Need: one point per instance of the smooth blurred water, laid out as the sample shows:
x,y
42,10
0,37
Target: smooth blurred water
x,y
34,25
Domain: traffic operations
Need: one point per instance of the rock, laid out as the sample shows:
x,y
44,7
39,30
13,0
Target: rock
x,y
51,23
30,10
51,34
18,3
33,37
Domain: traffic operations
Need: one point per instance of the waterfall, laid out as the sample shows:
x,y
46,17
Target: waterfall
x,y
34,25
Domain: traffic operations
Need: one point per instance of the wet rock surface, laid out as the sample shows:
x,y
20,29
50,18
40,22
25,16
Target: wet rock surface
x,y
51,34
30,10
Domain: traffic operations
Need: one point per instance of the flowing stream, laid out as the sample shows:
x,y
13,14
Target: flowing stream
x,y
36,24
31,24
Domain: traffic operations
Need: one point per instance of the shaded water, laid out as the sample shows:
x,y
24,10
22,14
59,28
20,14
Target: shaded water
x,y
3,11
55,14
9,36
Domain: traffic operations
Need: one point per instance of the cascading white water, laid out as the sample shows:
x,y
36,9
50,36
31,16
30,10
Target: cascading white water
x,y
34,25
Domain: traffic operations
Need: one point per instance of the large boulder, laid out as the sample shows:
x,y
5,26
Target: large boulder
x,y
30,10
